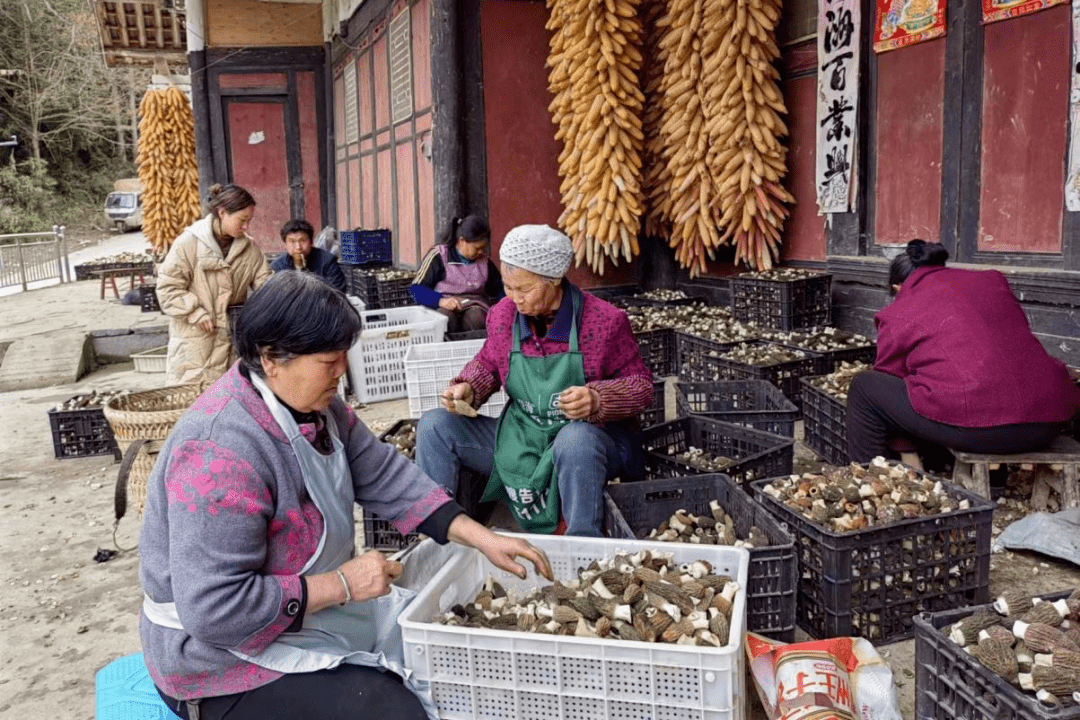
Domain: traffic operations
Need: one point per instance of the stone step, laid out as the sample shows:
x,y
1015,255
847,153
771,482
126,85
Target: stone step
x,y
55,358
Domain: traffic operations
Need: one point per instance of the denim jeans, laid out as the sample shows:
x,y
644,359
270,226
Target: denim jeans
x,y
586,457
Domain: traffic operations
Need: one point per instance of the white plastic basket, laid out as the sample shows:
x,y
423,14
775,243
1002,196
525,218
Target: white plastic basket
x,y
150,361
476,673
376,360
430,368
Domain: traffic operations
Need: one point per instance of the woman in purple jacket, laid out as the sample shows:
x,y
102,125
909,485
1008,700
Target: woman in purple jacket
x,y
256,604
458,279
957,366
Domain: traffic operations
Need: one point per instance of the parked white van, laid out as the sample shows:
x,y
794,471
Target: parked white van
x,y
124,209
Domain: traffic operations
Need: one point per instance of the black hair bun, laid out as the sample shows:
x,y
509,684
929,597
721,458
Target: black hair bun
x,y
924,253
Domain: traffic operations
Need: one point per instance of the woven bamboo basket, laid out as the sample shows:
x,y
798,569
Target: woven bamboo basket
x,y
146,416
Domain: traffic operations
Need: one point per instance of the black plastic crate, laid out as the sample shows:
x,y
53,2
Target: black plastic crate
x,y
657,349
755,403
380,534
634,509
148,298
756,454
831,360
655,414
824,424
784,375
629,296
82,272
872,583
693,355
466,335
782,304
394,293
81,433
360,282
950,684
366,247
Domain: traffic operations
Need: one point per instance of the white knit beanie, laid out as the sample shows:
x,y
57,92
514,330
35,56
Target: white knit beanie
x,y
539,249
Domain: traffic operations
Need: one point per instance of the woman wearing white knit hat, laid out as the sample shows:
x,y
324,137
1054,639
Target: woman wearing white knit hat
x,y
576,384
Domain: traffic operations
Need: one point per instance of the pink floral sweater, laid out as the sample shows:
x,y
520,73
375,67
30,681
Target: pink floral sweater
x,y
613,365
228,525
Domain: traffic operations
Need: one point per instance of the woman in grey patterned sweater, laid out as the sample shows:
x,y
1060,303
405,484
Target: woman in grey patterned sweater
x,y
255,603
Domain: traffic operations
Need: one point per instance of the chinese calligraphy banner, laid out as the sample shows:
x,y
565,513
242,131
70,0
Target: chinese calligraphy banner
x,y
1072,178
994,10
838,97
898,23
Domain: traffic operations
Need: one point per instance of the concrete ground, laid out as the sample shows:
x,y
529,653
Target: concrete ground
x,y
63,616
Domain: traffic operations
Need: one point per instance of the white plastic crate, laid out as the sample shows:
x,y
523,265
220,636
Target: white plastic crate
x,y
430,368
477,673
151,361
376,359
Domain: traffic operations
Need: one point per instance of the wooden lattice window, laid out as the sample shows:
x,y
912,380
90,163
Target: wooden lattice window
x,y
401,102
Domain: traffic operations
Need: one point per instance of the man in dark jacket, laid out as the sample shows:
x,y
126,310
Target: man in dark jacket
x,y
300,254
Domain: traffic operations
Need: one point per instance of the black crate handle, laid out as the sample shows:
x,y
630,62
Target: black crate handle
x,y
120,493
664,495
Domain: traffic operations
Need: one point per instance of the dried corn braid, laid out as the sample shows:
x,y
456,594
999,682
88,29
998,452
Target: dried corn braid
x,y
597,106
716,161
167,166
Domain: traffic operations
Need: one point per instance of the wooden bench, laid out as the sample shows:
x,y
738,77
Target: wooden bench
x,y
109,276
1060,471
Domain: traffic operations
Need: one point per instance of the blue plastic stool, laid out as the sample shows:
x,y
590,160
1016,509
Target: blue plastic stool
x,y
124,691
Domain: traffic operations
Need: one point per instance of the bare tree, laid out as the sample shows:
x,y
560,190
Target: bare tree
x,y
58,84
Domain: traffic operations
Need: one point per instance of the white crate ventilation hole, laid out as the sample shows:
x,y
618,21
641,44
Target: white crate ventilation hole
x,y
376,359
477,673
430,368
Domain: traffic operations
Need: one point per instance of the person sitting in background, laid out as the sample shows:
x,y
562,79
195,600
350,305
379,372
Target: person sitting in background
x,y
458,279
957,367
576,385
301,254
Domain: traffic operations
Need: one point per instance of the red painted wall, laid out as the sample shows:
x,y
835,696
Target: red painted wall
x,y
1025,111
309,147
522,154
804,232
259,166
911,87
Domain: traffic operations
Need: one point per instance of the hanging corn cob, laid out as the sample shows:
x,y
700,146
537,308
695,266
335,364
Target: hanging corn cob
x,y
593,74
167,166
713,123
744,131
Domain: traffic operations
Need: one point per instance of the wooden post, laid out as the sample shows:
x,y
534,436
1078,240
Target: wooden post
x,y
446,95
22,265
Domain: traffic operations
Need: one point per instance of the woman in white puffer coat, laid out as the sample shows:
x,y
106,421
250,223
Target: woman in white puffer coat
x,y
211,266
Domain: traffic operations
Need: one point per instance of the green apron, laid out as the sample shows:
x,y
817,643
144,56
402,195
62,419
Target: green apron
x,y
523,471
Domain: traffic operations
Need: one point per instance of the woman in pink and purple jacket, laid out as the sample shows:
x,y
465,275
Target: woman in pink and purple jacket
x,y
957,367
576,384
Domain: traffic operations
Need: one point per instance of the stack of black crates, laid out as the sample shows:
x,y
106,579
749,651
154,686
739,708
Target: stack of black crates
x,y
364,253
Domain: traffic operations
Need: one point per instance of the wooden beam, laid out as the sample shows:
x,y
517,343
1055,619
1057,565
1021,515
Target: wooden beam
x,y
103,25
140,24
160,26
121,21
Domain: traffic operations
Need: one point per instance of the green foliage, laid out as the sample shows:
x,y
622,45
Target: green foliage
x,y
27,198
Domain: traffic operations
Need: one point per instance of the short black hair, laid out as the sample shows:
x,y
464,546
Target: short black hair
x,y
293,314
297,225
917,254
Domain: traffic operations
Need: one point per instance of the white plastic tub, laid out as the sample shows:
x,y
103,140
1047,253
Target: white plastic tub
x,y
151,361
376,360
430,368
476,673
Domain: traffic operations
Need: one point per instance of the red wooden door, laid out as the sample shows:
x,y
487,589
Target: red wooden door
x,y
258,158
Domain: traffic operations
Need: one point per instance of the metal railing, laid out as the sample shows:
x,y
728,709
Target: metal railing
x,y
26,262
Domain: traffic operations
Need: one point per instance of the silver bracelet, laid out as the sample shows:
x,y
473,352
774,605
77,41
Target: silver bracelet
x,y
345,584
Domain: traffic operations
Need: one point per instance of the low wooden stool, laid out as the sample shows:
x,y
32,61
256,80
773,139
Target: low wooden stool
x,y
972,470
